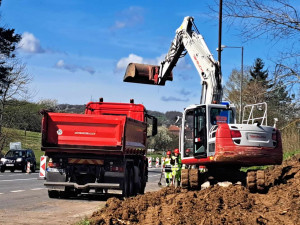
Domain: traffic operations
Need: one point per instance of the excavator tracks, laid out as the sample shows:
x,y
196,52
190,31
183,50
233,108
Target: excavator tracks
x,y
190,179
185,178
255,181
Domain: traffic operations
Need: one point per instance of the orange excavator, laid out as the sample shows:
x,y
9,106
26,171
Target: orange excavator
x,y
209,133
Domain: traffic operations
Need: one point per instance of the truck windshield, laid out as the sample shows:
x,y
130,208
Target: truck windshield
x,y
219,115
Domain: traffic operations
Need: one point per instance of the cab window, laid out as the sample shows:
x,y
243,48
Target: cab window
x,y
219,116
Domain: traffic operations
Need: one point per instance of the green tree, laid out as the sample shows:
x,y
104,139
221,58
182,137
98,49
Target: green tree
x,y
257,86
258,74
13,80
161,141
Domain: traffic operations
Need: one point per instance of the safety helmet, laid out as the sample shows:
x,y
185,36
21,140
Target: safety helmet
x,y
176,151
187,150
169,153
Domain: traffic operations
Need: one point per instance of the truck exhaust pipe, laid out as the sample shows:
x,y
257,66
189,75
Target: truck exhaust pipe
x,y
144,74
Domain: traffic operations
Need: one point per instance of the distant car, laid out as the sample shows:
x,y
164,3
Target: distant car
x,y
17,160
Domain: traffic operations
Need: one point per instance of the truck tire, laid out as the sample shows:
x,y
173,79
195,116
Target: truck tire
x,y
137,180
125,191
131,183
53,194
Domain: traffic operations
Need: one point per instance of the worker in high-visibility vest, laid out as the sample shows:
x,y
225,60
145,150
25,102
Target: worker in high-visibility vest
x,y
168,168
176,167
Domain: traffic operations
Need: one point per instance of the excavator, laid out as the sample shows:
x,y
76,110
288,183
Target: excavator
x,y
210,137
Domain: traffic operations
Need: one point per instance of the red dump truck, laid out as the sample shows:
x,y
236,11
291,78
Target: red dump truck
x,y
105,148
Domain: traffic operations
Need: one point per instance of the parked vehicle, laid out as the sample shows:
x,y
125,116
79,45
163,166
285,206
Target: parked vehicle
x,y
105,148
17,160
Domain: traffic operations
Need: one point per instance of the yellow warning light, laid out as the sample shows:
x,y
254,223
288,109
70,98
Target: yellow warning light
x,y
211,157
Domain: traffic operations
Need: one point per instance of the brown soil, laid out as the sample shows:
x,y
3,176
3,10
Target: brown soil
x,y
214,205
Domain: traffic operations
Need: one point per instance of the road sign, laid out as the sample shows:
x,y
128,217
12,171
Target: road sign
x,y
43,167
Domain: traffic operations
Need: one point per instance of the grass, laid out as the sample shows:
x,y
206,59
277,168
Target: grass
x,y
28,139
83,221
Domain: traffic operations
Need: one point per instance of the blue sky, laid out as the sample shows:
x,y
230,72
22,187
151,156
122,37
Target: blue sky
x,y
78,50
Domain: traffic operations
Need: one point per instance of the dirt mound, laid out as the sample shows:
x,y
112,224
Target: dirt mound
x,y
214,205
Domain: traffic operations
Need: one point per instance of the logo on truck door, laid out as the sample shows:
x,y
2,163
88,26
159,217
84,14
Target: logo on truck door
x,y
59,132
85,133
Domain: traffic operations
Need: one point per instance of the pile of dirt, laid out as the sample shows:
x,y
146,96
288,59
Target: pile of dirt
x,y
214,205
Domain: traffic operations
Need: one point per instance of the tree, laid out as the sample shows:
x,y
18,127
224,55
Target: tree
x,y
276,20
258,88
161,141
232,87
13,79
258,73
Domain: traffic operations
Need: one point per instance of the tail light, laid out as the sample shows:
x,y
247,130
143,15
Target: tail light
x,y
116,169
235,134
52,164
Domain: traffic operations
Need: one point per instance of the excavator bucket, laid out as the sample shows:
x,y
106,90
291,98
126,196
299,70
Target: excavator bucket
x,y
144,74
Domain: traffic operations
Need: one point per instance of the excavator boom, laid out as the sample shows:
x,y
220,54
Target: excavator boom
x,y
192,41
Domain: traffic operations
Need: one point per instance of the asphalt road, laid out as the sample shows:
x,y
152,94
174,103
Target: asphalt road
x,y
24,200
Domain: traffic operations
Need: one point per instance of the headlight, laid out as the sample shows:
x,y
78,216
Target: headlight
x,y
19,159
3,160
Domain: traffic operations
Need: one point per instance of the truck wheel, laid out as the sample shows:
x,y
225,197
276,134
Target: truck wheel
x,y
131,183
138,180
53,194
125,191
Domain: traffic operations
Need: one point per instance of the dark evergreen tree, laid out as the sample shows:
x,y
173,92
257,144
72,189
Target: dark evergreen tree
x,y
258,74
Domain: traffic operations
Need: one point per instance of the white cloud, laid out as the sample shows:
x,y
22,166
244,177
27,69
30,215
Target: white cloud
x,y
132,58
129,17
73,68
29,43
123,62
173,99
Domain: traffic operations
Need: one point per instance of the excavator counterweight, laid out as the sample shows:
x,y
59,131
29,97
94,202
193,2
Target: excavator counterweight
x,y
144,74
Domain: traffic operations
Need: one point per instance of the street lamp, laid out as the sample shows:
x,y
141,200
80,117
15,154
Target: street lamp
x,y
242,75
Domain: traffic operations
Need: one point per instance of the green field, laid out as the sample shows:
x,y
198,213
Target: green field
x,y
28,139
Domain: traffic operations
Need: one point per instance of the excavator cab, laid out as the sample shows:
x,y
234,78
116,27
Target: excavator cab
x,y
195,132
144,74
200,123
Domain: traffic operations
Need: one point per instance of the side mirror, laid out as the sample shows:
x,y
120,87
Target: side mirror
x,y
153,125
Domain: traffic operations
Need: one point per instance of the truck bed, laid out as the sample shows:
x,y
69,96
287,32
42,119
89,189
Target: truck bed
x,y
78,133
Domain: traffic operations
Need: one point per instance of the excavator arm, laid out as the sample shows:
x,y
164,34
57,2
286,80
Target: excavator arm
x,y
192,41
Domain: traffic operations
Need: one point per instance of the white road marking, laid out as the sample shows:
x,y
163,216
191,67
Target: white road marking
x,y
12,175
154,175
17,191
1,193
18,179
36,189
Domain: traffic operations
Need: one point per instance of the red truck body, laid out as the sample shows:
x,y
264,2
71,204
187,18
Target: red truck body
x,y
107,144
